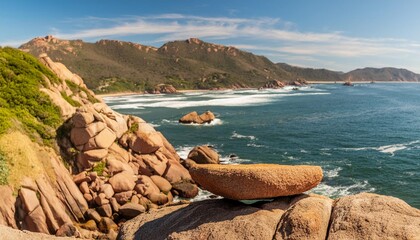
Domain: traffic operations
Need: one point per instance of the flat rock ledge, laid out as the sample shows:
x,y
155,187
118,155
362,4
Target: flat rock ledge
x,y
255,181
303,216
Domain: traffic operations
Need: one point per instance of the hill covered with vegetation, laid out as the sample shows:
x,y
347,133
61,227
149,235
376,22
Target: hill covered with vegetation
x,y
117,66
22,104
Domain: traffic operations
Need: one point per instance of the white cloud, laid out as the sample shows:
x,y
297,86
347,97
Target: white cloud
x,y
270,36
274,32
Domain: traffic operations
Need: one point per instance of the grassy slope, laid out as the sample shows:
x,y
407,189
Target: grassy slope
x,y
28,118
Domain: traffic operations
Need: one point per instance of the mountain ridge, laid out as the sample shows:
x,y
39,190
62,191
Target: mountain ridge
x,y
117,66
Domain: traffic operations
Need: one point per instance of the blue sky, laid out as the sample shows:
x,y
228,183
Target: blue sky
x,y
337,35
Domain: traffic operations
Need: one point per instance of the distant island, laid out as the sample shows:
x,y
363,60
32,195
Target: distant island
x,y
112,66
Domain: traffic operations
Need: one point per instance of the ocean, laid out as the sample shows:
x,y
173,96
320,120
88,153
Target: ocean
x,y
366,138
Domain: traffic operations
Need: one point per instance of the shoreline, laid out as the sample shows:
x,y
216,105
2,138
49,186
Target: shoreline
x,y
117,94
342,82
129,93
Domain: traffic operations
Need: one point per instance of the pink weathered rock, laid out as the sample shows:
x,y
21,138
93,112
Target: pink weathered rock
x,y
308,218
122,182
95,128
207,117
161,183
373,216
204,155
119,153
115,166
29,199
101,200
84,187
191,117
105,210
156,165
169,148
94,155
107,224
145,186
73,198
185,189
67,230
114,204
105,138
79,136
208,219
107,190
82,119
131,210
113,120
35,221
53,208
88,197
158,198
7,207
176,172
255,181
143,168
29,184
146,143
123,197
144,127
90,145
81,177
94,215
135,199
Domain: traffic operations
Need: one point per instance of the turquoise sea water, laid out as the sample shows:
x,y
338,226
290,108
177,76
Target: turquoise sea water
x,y
366,137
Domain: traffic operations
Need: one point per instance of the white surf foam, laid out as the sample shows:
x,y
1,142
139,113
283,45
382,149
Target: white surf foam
x,y
235,101
234,160
215,122
256,145
240,136
183,151
332,173
339,191
127,106
390,149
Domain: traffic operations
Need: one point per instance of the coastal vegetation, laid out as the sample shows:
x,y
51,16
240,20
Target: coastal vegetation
x,y
22,104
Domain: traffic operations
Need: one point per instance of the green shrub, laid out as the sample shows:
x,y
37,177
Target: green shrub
x,y
134,127
77,89
99,168
70,100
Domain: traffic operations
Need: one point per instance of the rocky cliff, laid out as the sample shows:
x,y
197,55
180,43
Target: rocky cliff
x,y
96,169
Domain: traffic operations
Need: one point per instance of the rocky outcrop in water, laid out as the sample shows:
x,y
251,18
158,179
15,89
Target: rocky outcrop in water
x,y
164,88
204,155
193,117
255,181
274,84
